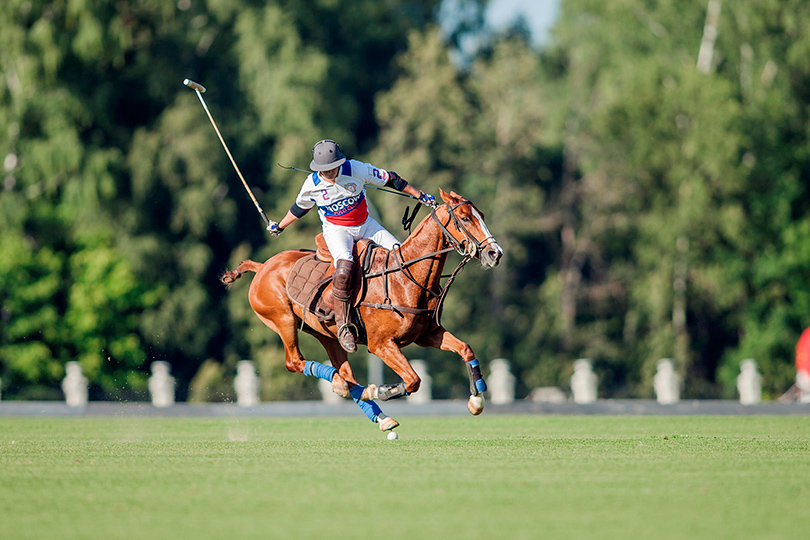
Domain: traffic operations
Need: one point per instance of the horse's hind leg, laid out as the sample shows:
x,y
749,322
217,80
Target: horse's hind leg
x,y
337,356
440,338
293,359
340,360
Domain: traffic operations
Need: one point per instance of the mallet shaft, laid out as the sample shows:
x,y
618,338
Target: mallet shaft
x,y
199,89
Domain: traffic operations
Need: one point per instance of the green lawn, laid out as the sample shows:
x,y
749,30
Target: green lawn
x,y
491,477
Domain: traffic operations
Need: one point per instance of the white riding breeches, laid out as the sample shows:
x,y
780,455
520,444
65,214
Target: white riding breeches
x,y
340,239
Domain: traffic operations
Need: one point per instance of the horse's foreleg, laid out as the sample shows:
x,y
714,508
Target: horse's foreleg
x,y
390,354
440,338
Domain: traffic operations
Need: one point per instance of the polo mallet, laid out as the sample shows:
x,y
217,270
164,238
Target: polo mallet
x,y
200,89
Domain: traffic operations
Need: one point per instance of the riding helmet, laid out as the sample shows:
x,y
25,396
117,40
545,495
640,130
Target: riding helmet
x,y
326,155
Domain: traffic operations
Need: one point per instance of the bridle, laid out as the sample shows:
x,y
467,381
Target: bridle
x,y
467,247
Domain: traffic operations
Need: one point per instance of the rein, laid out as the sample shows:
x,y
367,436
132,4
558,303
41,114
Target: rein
x,y
402,265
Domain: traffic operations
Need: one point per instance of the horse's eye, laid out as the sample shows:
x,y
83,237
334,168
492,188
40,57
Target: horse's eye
x,y
466,219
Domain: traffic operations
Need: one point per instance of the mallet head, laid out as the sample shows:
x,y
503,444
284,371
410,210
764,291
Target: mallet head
x,y
194,85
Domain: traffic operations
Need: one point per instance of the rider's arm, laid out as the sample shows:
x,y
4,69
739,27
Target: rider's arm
x,y
395,181
289,218
400,184
372,175
410,190
304,202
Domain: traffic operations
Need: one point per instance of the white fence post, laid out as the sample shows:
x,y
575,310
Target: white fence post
x,y
74,385
501,382
749,383
667,383
375,369
583,382
425,393
246,383
161,384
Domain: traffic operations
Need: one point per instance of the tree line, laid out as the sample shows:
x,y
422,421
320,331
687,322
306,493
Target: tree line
x,y
648,208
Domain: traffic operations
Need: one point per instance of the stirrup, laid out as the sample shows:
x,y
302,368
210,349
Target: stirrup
x,y
346,338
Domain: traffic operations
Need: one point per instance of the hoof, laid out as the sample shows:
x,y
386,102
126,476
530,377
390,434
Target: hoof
x,y
370,393
388,423
476,405
340,387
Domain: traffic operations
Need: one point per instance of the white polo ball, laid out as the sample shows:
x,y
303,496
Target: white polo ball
x,y
392,435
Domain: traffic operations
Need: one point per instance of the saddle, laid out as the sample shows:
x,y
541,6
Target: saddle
x,y
311,276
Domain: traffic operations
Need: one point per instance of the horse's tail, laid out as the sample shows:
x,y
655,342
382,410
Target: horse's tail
x,y
245,266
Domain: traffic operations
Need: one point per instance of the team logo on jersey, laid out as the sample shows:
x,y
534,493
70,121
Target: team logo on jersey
x,y
343,206
351,188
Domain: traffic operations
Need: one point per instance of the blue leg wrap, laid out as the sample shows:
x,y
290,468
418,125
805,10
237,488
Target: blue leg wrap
x,y
316,369
371,409
477,384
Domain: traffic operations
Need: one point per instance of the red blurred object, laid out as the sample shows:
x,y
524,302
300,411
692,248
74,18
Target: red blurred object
x,y
803,352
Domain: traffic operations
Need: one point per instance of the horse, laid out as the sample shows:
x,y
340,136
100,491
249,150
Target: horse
x,y
399,303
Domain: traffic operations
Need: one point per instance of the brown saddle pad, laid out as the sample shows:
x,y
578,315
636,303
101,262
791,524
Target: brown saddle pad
x,y
311,278
307,283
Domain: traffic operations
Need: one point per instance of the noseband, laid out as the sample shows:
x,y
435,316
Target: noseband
x,y
469,246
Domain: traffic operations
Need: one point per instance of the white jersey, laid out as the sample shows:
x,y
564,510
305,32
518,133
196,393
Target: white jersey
x,y
344,202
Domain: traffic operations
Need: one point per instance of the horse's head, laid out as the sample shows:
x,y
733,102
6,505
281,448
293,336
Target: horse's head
x,y
469,233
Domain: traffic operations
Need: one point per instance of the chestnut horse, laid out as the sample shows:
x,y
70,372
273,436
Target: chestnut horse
x,y
401,305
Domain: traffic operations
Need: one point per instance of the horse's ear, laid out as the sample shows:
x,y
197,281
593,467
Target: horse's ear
x,y
445,196
450,198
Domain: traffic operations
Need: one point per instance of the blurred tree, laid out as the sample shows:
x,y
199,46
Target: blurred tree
x,y
679,150
647,208
645,183
764,55
122,207
652,178
78,298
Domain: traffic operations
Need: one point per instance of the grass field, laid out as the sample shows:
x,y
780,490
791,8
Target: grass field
x,y
491,477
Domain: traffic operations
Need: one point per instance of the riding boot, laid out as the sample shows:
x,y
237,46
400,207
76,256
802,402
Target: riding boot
x,y
342,292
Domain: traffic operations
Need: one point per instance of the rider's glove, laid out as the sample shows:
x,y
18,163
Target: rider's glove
x,y
427,199
274,229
